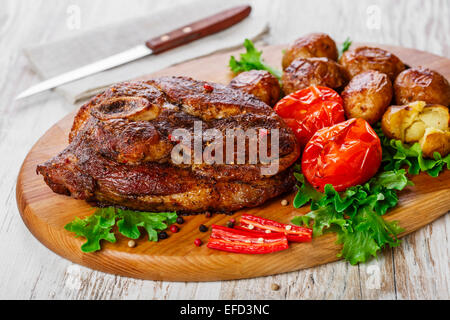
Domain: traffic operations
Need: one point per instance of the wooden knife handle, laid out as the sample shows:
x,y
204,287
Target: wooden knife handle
x,y
198,29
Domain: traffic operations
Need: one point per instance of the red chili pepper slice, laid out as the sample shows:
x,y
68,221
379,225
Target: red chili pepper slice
x,y
293,233
258,231
239,241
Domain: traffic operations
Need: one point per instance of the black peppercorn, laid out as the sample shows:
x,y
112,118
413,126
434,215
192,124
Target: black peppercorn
x,y
180,220
203,228
162,235
230,224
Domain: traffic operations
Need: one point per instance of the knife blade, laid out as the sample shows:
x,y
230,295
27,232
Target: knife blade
x,y
186,34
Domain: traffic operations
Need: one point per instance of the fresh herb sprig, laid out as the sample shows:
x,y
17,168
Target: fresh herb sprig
x,y
345,46
251,60
99,226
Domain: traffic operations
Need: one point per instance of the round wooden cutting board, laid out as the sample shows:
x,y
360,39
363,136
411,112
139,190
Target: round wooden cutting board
x,y
177,258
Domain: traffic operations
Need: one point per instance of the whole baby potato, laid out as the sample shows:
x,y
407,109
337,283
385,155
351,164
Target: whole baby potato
x,y
367,96
310,46
305,72
421,84
368,58
259,83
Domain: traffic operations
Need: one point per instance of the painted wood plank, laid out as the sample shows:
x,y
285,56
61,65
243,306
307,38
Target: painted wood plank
x,y
29,270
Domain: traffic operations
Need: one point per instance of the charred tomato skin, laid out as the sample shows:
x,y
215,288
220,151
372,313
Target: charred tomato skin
x,y
308,110
343,155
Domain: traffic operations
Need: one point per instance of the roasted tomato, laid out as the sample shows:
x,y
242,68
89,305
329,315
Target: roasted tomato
x,y
309,110
343,155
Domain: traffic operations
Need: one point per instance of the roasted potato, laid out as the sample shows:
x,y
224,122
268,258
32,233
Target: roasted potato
x,y
305,72
435,141
367,96
368,58
417,121
259,83
421,84
310,46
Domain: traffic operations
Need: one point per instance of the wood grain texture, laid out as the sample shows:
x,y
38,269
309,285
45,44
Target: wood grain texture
x,y
177,259
28,270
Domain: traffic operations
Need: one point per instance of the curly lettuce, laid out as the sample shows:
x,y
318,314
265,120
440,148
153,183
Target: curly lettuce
x,y
99,226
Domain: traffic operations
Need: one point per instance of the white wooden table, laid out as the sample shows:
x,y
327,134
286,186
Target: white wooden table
x,y
418,269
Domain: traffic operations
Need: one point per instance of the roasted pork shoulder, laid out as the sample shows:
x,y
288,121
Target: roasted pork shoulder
x,y
121,149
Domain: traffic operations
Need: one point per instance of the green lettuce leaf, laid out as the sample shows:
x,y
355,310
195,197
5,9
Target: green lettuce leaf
x,y
355,214
305,193
396,154
99,225
370,234
357,247
324,218
94,228
129,221
379,191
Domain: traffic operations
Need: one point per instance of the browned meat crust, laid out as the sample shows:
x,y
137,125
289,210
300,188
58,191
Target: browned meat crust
x,y
120,149
260,83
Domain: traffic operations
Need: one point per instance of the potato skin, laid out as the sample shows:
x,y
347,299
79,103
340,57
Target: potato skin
x,y
259,83
310,46
435,141
367,96
305,72
421,84
368,58
427,124
397,118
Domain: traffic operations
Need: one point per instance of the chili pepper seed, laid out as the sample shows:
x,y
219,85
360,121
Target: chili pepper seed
x,y
251,227
288,227
132,243
230,224
268,231
284,202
